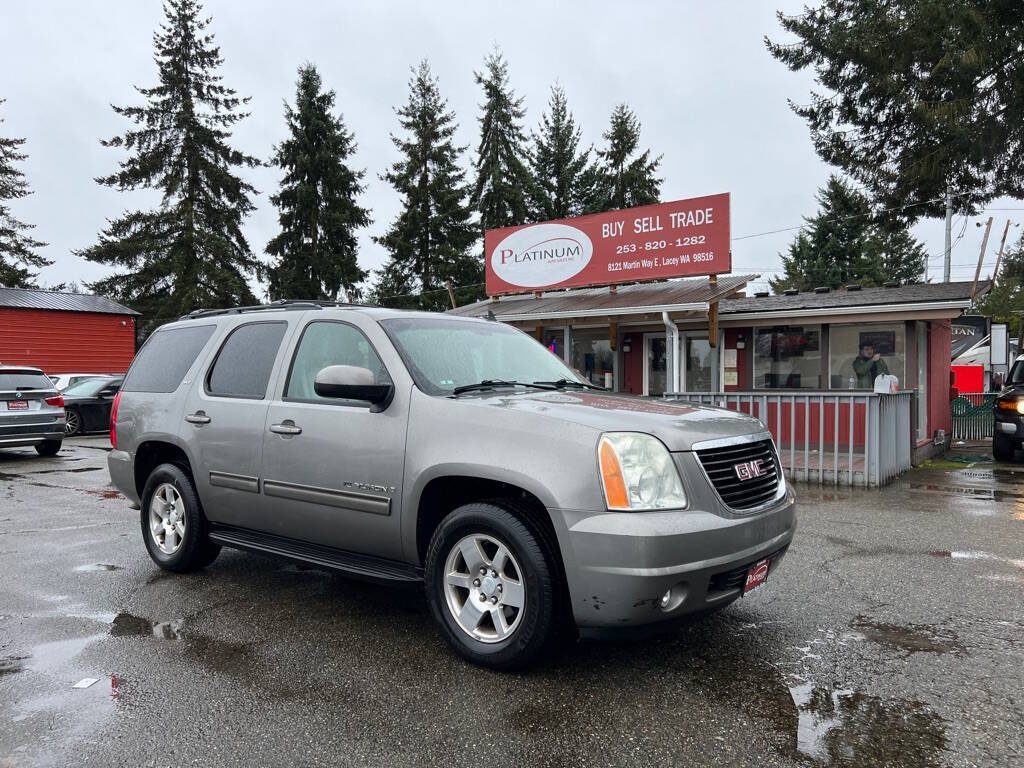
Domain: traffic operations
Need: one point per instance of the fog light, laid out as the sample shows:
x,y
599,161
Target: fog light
x,y
666,599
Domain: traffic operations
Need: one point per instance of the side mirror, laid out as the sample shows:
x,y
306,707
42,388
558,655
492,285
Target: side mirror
x,y
350,382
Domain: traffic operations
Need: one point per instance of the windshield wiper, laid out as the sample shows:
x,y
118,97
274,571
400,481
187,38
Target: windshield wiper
x,y
563,383
492,383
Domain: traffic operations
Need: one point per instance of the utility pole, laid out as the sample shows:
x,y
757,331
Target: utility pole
x,y
999,256
981,258
949,234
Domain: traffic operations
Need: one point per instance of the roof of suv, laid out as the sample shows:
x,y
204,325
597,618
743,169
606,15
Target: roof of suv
x,y
334,308
19,368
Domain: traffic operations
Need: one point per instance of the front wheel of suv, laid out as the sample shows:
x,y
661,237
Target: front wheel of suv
x,y
491,586
1002,447
173,525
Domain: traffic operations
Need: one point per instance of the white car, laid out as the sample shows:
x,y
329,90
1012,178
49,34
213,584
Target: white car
x,y
65,380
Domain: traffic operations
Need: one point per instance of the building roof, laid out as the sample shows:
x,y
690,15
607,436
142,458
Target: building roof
x,y
638,298
35,298
953,294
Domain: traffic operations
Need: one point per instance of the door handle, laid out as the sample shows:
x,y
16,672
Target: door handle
x,y
199,417
286,427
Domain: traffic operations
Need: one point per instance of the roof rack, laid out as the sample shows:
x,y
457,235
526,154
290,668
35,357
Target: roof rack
x,y
279,304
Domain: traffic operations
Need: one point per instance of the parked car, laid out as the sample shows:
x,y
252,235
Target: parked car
x,y
87,404
457,453
31,410
1008,410
64,380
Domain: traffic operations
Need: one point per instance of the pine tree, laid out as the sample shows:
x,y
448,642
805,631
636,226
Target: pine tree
x,y
844,243
500,192
429,241
919,96
563,179
190,251
625,179
316,249
17,249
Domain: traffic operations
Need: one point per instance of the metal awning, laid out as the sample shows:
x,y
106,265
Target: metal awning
x,y
694,295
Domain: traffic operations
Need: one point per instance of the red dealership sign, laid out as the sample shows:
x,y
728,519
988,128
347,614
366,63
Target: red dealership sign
x,y
652,242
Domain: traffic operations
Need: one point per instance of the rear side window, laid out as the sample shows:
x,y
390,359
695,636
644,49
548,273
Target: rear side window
x,y
12,381
166,357
242,367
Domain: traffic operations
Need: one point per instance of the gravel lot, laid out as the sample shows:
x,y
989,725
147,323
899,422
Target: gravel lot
x,y
891,635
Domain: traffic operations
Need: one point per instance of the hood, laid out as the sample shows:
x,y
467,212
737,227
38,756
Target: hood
x,y
677,425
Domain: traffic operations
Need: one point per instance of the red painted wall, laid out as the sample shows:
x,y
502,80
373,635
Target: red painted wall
x,y
939,349
67,342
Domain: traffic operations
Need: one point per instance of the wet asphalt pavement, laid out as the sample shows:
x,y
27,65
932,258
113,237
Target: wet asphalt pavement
x,y
892,634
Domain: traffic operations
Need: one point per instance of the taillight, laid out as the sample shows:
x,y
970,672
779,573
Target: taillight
x,y
113,420
57,401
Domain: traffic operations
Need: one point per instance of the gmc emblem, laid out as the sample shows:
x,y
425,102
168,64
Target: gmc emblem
x,y
748,470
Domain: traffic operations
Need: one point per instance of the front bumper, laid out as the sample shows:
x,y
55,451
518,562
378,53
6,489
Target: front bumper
x,y
620,565
1009,424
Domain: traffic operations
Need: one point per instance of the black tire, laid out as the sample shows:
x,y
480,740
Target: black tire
x,y
195,550
73,424
539,576
48,447
1002,447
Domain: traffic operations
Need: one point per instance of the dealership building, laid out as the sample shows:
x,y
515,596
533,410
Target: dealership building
x,y
790,359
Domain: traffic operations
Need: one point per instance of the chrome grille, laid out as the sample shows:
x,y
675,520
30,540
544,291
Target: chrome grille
x,y
738,493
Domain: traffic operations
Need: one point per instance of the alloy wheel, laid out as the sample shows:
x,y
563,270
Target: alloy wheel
x,y
167,518
484,588
72,423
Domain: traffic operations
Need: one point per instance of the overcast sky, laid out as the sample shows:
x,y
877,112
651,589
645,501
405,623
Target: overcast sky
x,y
708,95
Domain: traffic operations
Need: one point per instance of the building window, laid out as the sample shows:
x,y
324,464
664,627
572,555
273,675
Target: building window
x,y
787,357
592,355
860,353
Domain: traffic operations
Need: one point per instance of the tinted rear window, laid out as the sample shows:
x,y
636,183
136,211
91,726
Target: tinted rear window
x,y
243,365
166,357
11,381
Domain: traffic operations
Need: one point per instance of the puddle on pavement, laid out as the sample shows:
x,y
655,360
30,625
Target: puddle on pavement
x,y
10,665
127,625
976,555
967,491
838,726
91,567
911,638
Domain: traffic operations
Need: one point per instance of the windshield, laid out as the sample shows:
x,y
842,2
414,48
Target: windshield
x,y
1016,375
443,354
11,381
86,387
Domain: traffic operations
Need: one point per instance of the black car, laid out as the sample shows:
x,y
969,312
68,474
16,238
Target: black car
x,y
87,404
1008,430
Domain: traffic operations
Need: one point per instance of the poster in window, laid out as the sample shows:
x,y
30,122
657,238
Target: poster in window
x,y
884,342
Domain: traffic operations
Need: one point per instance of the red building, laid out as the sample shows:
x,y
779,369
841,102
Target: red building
x,y
65,332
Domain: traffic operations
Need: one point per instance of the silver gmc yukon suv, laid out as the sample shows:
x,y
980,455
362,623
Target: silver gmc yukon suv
x,y
457,453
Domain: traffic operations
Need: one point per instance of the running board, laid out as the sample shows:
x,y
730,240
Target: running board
x,y
365,567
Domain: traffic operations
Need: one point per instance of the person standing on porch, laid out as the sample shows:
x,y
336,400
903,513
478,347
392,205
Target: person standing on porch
x,y
868,366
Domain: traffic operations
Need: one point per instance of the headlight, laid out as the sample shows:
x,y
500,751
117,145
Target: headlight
x,y
638,473
1011,405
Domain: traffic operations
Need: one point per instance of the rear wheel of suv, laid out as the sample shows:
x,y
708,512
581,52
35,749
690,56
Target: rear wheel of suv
x,y
1002,447
173,524
491,586
48,447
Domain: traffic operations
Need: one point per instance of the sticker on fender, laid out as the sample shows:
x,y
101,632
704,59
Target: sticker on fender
x,y
756,575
